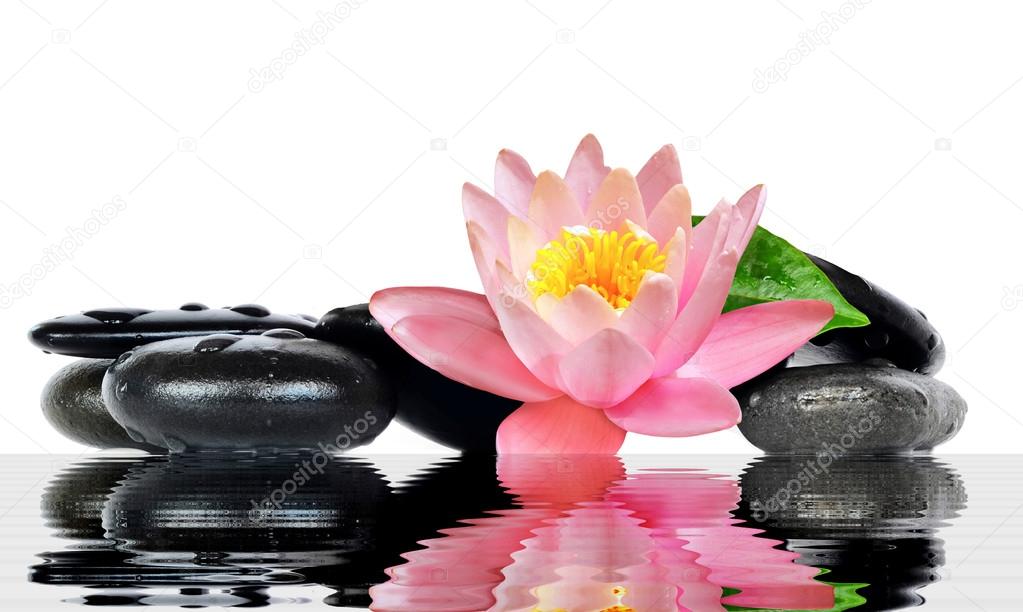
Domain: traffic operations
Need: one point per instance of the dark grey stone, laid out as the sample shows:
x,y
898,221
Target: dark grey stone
x,y
108,332
72,403
272,391
867,408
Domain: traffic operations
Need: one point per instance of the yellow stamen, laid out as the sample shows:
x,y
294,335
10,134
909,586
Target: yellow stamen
x,y
610,263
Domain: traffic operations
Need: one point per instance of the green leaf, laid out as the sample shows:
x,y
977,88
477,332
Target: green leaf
x,y
772,270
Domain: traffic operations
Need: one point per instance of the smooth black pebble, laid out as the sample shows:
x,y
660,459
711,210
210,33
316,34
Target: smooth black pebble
x,y
443,410
73,405
271,391
108,332
897,332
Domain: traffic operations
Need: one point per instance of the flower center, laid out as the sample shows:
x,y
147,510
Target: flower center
x,y
610,263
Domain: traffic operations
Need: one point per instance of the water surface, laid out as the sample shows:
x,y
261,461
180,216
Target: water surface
x,y
644,533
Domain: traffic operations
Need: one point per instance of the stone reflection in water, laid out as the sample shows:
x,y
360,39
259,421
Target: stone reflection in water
x,y
515,533
870,522
224,527
587,536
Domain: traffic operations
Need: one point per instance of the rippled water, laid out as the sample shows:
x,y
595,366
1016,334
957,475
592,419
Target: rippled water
x,y
570,533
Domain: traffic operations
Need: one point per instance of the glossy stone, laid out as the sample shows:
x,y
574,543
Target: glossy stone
x,y
898,332
108,332
846,409
435,406
248,392
73,405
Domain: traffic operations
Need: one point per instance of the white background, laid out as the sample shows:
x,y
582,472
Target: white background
x,y
891,147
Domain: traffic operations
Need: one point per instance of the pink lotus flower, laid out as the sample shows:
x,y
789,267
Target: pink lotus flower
x,y
602,306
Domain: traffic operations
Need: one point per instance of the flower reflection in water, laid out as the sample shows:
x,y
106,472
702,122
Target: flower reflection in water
x,y
588,536
578,534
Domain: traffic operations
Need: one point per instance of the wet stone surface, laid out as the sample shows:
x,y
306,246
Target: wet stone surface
x,y
897,333
108,332
271,391
854,408
73,405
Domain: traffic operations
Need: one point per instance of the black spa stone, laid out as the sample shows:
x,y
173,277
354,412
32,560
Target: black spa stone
x,y
73,405
108,332
897,332
273,391
848,409
433,405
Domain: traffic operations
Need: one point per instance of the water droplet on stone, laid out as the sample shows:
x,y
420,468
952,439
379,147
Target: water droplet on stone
x,y
284,333
122,358
253,310
194,306
120,391
113,317
754,400
214,343
932,342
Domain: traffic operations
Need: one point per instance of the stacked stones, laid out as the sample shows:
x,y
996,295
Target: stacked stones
x,y
867,390
246,378
191,378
